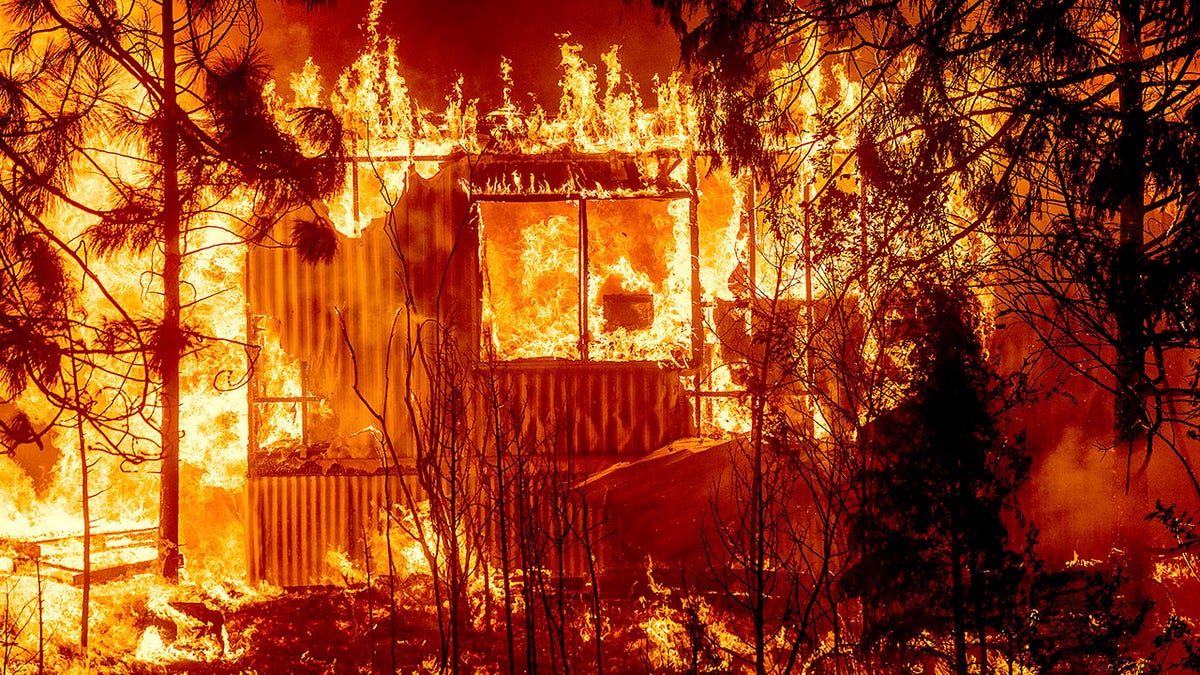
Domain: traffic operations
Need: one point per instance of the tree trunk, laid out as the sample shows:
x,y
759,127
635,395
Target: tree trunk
x,y
501,506
958,601
1132,427
85,500
1131,331
169,345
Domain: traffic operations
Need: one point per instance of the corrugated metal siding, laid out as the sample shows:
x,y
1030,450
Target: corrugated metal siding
x,y
549,525
587,408
431,230
597,408
296,520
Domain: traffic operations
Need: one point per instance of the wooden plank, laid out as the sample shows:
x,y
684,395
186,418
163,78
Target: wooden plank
x,y
107,574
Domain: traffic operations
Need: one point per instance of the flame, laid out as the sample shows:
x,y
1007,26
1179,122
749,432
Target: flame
x,y
532,310
41,506
277,375
638,252
658,242
213,418
670,625
532,306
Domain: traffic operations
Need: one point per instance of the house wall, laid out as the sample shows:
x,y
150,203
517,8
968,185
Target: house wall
x,y
596,408
296,521
377,294
421,261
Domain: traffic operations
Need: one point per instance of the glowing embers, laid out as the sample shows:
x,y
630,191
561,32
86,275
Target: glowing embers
x,y
632,256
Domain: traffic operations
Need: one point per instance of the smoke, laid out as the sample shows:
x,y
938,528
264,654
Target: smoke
x,y
1077,494
1071,497
287,42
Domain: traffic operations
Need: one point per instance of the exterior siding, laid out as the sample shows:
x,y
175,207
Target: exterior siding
x,y
295,521
596,408
431,230
590,411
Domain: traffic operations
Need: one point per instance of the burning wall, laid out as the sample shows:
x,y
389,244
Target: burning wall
x,y
419,262
350,326
358,335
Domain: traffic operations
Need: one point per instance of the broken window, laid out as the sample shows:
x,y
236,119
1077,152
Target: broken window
x,y
599,280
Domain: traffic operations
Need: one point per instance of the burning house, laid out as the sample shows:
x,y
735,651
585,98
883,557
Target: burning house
x,y
562,292
560,389
569,295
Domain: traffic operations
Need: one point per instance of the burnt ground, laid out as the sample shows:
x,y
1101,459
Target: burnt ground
x,y
353,630
320,630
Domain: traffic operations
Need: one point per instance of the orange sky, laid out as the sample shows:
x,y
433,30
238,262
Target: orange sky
x,y
440,38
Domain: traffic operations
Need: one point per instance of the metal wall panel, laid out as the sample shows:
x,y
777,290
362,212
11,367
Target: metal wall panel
x,y
429,239
584,408
295,521
597,408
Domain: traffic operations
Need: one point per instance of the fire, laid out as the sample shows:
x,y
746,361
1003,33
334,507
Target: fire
x,y
525,300
648,263
533,306
638,300
82,505
278,425
656,242
682,631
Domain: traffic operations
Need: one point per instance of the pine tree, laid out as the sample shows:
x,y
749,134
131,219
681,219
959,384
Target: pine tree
x,y
929,535
163,102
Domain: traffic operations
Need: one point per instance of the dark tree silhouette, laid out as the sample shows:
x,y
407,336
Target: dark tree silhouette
x,y
1066,127
162,103
929,536
1065,135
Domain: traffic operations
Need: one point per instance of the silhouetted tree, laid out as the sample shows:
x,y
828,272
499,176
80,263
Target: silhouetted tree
x,y
1063,134
159,106
929,535
1066,128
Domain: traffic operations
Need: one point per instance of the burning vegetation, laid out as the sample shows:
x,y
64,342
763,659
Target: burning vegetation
x,y
804,363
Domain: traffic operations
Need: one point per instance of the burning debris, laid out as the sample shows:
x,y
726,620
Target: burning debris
x,y
113,555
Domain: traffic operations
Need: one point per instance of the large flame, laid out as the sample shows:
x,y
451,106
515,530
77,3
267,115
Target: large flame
x,y
633,300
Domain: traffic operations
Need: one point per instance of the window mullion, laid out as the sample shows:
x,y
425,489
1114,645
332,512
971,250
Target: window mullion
x,y
583,280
